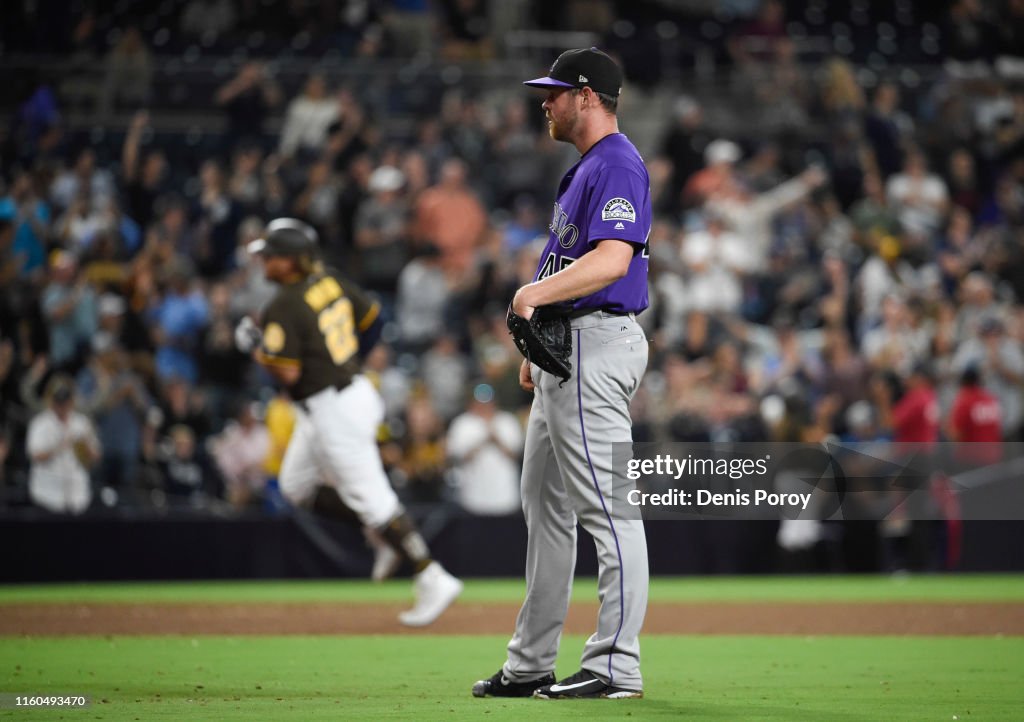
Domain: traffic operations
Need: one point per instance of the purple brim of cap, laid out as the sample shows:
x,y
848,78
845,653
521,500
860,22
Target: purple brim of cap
x,y
546,82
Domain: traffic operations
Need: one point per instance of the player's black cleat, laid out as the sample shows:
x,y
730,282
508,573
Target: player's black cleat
x,y
585,685
501,686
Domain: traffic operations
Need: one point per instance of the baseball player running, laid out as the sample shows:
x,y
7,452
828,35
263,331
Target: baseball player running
x,y
313,330
595,266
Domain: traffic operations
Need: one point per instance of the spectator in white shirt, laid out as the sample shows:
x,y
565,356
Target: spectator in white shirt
x,y
717,259
484,445
61,445
920,198
308,118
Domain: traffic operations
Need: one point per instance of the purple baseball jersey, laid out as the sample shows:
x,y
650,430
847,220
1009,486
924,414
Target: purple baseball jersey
x,y
606,195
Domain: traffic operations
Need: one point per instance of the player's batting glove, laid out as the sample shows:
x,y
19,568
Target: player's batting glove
x,y
545,340
247,335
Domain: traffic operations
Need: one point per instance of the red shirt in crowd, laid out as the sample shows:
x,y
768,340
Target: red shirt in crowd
x,y
976,416
915,417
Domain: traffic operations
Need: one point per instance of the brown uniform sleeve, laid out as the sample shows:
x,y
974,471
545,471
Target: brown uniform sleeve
x,y
281,344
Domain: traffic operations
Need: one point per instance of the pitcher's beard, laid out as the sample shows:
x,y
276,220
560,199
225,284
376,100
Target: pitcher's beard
x,y
558,131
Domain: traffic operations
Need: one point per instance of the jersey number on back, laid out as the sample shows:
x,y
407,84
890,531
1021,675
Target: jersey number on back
x,y
335,318
337,324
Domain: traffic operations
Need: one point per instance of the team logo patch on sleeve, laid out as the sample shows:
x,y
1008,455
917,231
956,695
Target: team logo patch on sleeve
x,y
618,209
273,338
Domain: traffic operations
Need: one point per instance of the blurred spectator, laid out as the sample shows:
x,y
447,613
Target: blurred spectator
x,y
976,415
466,124
318,199
421,301
449,217
484,445
751,216
842,98
682,147
28,211
895,344
78,225
219,360
718,175
962,181
913,414
872,217
445,372
761,171
129,73
141,185
516,158
717,261
217,222
960,249
1000,361
919,198
62,445
970,38
845,372
524,227
83,181
240,452
422,464
182,404
279,420
886,127
308,118
391,381
69,306
115,398
249,288
352,134
246,181
186,475
247,99
177,319
978,303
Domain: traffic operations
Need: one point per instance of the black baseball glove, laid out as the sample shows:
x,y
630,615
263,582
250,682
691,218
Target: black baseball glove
x,y
545,340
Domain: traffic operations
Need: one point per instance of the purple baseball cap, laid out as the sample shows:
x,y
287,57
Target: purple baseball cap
x,y
583,67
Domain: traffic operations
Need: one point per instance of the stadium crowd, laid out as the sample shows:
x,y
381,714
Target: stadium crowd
x,y
866,284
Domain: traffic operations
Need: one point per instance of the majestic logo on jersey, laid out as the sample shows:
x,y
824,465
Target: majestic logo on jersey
x,y
566,232
618,209
273,338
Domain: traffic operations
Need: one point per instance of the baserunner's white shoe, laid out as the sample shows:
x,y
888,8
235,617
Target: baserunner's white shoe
x,y
435,590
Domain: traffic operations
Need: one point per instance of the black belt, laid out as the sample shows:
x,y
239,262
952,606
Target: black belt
x,y
581,312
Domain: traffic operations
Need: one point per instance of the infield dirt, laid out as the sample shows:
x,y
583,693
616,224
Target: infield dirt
x,y
881,618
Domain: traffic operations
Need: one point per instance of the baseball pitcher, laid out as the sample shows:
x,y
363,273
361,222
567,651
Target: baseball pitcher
x,y
592,276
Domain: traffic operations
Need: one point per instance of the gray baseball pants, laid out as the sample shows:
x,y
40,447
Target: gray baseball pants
x,y
567,476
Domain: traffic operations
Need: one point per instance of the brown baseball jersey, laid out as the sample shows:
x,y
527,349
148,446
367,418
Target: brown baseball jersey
x,y
315,324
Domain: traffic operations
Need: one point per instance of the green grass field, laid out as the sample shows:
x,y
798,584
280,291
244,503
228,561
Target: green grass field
x,y
429,677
